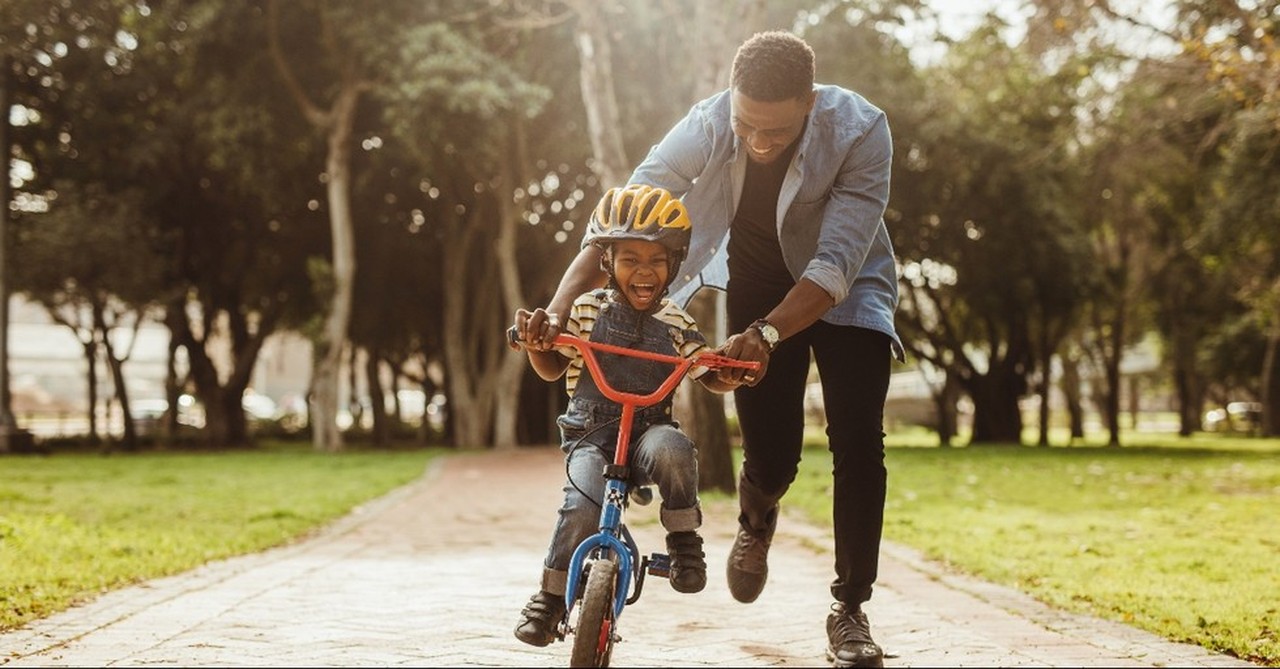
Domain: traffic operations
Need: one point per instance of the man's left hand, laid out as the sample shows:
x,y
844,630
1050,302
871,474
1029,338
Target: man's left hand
x,y
749,345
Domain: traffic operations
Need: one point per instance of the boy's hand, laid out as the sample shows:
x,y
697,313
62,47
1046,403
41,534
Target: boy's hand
x,y
745,346
537,329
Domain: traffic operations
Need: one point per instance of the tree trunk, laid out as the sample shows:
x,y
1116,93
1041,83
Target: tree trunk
x,y
1071,391
129,440
377,399
172,392
945,404
323,400
1188,409
470,406
1045,357
225,424
595,68
8,424
1133,384
512,363
996,417
702,412
1270,383
428,392
91,360
327,436
355,407
1042,438
337,123
1112,390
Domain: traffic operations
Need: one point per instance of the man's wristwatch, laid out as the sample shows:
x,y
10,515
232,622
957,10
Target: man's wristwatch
x,y
767,332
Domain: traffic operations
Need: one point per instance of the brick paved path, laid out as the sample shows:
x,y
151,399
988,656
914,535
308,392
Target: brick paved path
x,y
435,573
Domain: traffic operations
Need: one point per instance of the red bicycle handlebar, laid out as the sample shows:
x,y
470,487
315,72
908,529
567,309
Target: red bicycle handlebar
x,y
631,401
588,349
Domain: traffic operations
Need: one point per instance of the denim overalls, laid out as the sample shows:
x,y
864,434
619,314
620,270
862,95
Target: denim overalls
x,y
660,453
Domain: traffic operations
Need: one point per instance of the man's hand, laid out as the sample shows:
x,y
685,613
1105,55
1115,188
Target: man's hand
x,y
746,346
537,329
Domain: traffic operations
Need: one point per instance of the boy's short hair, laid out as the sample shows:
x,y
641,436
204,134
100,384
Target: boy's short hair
x,y
773,66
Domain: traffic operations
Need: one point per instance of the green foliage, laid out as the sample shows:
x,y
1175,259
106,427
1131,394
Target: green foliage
x,y
448,85
1178,540
90,244
73,526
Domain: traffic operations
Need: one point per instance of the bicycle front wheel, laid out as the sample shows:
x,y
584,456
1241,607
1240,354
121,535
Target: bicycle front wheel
x,y
593,638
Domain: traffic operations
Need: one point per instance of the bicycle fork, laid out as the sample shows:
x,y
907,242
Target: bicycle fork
x,y
613,536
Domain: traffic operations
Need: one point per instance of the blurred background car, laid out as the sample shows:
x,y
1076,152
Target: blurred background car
x,y
1244,417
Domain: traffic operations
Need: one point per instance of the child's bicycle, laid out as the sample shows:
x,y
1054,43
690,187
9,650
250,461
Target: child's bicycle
x,y
609,562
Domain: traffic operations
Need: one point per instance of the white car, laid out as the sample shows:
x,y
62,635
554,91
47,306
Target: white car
x,y
1236,417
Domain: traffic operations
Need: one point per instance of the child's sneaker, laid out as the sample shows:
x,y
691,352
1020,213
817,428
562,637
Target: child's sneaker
x,y
688,562
540,619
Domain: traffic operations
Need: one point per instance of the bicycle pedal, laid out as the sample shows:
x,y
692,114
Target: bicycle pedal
x,y
659,565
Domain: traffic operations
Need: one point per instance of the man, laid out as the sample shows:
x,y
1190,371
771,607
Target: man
x,y
788,181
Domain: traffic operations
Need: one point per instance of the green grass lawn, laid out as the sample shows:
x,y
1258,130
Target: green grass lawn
x,y
1179,537
75,525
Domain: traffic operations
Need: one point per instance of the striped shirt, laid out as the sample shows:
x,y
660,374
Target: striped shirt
x,y
688,342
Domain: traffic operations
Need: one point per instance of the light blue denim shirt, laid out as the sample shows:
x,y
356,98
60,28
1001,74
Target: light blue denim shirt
x,y
830,209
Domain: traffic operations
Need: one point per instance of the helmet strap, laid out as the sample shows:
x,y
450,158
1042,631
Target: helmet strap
x,y
606,265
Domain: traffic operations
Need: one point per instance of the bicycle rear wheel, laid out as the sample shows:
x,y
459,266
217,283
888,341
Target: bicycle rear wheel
x,y
593,637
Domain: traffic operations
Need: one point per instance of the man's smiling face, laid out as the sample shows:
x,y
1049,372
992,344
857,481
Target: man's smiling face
x,y
767,128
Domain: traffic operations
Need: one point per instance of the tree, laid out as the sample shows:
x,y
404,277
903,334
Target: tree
x,y
982,223
33,36
462,111
350,80
1237,44
94,269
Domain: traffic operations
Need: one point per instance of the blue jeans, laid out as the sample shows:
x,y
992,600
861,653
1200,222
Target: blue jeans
x,y
662,456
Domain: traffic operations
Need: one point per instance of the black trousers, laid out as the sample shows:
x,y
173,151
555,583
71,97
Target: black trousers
x,y
853,365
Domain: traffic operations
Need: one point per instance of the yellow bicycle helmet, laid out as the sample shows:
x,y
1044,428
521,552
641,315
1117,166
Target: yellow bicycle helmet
x,y
642,212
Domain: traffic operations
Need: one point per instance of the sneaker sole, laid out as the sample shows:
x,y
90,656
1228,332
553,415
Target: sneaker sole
x,y
831,657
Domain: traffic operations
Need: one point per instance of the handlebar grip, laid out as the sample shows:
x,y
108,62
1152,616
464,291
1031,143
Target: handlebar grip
x,y
716,361
513,337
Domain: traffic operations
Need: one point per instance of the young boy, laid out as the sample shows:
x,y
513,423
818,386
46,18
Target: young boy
x,y
643,234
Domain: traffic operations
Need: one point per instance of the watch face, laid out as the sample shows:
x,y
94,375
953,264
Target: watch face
x,y
767,332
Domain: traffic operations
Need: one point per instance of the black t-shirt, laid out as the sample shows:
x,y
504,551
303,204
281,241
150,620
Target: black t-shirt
x,y
755,256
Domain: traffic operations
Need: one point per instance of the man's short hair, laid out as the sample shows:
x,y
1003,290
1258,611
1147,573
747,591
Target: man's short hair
x,y
773,66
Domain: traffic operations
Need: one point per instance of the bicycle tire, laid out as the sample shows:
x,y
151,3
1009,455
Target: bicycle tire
x,y
593,637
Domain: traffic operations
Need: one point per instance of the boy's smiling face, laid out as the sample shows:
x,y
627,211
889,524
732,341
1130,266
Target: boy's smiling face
x,y
640,269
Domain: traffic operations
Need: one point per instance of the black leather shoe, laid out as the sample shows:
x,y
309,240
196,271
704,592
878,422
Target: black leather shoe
x,y
540,619
849,642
